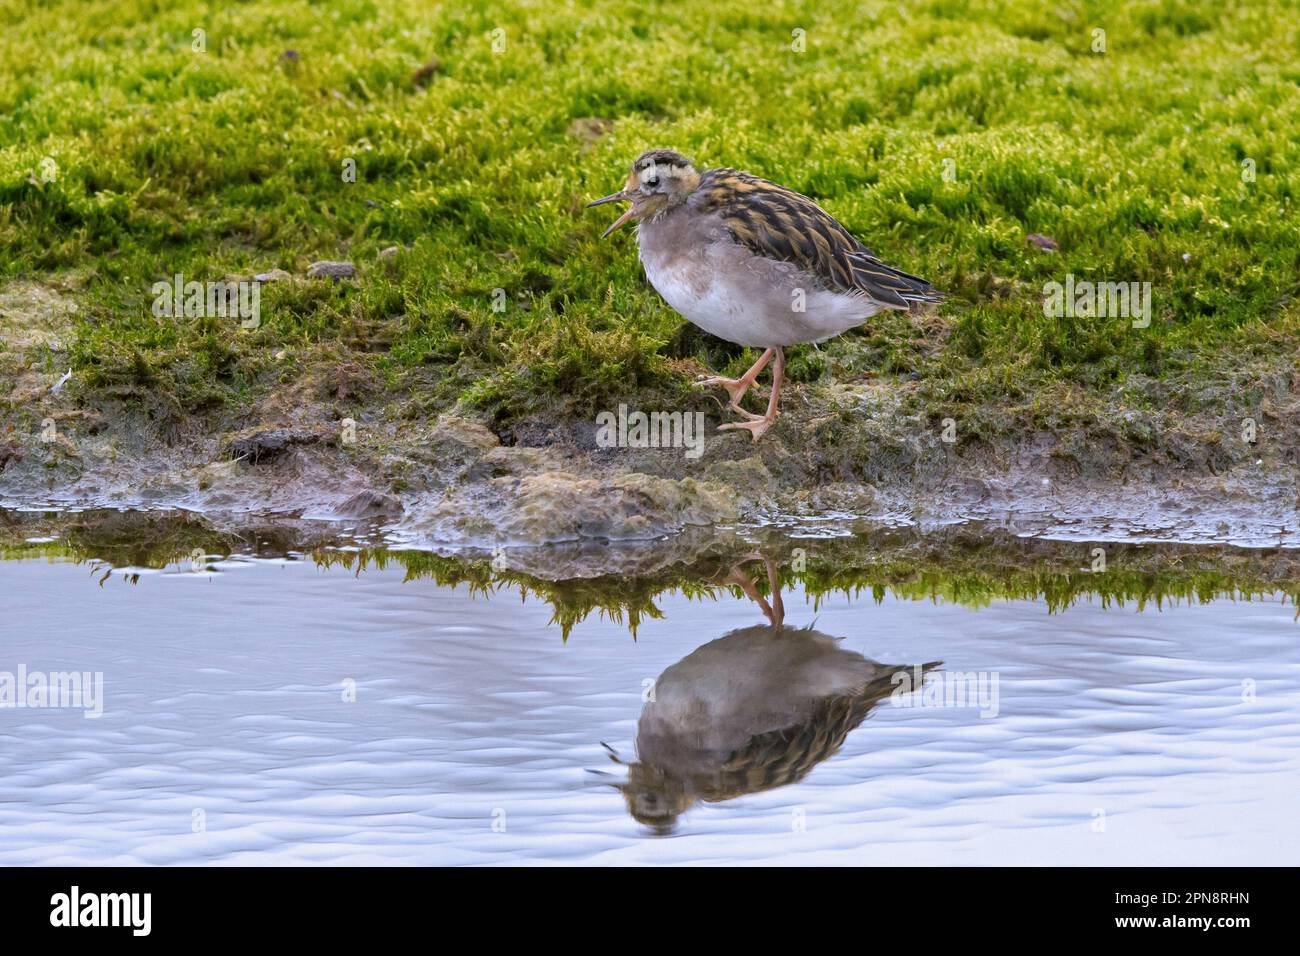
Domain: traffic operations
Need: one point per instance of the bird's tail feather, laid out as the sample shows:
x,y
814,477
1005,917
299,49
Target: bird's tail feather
x,y
890,286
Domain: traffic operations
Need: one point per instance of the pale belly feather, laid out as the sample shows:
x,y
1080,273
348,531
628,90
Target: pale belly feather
x,y
737,296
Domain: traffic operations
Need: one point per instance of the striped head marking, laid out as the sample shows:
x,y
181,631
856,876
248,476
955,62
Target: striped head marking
x,y
659,179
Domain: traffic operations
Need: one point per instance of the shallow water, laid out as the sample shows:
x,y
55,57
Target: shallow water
x,y
1119,736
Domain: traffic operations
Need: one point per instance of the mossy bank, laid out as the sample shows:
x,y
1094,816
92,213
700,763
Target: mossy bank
x,y
445,151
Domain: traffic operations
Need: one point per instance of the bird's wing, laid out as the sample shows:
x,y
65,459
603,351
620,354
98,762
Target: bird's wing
x,y
778,223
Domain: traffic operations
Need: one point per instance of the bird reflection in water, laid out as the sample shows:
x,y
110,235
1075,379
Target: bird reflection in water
x,y
756,709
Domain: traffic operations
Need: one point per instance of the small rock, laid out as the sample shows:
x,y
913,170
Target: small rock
x,y
331,270
369,504
548,507
275,275
1046,243
463,431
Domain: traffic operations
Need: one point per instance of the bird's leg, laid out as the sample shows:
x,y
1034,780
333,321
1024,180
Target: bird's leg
x,y
737,387
775,611
759,426
777,617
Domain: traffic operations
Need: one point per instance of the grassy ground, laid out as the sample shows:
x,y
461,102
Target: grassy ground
x,y
476,162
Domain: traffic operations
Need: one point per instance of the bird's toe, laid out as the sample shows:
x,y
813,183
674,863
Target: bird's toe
x,y
756,428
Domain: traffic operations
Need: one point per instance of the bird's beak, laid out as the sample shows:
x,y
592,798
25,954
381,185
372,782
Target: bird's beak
x,y
620,196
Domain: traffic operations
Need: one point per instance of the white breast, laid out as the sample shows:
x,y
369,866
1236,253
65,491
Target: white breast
x,y
729,292
696,289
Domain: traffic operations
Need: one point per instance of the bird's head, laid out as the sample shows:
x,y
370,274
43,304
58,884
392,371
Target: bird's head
x,y
656,798
658,180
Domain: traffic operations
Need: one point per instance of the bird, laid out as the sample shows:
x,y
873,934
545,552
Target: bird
x,y
754,263
754,710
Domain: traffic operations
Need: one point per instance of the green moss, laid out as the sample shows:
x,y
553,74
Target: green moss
x,y
942,133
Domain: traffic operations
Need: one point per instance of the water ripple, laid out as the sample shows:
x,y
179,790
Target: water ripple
x,y
289,715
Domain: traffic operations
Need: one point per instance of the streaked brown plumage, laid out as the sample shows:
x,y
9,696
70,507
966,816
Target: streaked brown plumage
x,y
778,223
756,709
754,263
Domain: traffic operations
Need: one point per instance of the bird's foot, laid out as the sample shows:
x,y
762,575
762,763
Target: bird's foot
x,y
757,427
736,387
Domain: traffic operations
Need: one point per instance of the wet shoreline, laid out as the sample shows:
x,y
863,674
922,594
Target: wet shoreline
x,y
965,562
